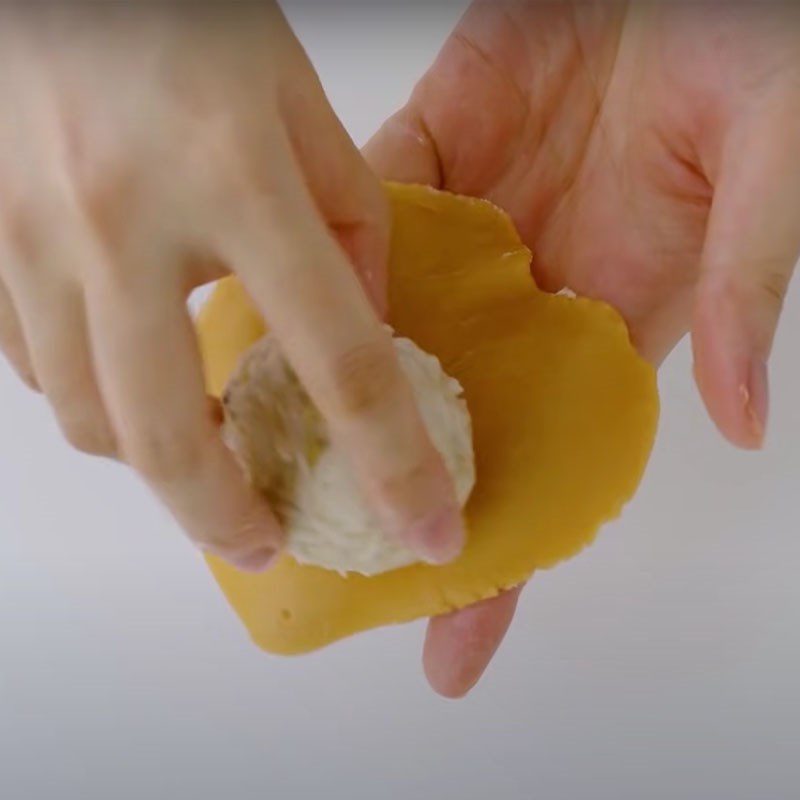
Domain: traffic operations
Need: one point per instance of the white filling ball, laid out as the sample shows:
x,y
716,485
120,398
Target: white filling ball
x,y
282,442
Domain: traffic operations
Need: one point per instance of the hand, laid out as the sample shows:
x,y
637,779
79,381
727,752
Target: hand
x,y
649,156
146,151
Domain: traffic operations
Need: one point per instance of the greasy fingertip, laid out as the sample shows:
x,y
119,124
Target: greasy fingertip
x,y
439,537
460,645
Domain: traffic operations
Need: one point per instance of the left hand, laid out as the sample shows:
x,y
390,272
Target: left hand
x,y
650,157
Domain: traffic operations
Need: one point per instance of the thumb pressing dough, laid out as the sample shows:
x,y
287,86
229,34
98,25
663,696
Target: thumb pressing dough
x,y
283,444
563,412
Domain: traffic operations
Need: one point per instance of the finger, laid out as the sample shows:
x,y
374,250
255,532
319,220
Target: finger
x,y
403,150
752,246
52,319
345,190
12,340
149,370
459,646
330,333
55,322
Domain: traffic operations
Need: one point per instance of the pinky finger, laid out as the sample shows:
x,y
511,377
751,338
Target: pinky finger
x,y
12,340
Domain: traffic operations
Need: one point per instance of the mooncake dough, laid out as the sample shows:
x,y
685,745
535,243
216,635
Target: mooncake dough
x,y
564,414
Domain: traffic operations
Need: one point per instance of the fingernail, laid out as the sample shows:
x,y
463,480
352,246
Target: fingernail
x,y
438,537
755,398
257,561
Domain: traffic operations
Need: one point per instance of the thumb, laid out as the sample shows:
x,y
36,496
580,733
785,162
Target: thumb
x,y
751,250
459,645
403,150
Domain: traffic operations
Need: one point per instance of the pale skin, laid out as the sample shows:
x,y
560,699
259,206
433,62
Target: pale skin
x,y
649,156
146,150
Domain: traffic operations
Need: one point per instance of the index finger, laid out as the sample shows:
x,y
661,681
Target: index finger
x,y
305,287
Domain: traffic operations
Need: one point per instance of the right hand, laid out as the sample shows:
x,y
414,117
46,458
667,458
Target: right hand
x,y
146,151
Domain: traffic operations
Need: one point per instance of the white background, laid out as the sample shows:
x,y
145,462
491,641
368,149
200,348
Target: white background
x,y
661,664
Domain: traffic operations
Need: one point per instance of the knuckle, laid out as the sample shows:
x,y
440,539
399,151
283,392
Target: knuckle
x,y
365,378
211,149
87,436
773,285
109,200
764,282
165,456
80,413
216,151
225,196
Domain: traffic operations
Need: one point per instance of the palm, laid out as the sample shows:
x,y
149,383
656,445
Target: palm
x,y
598,133
607,209
616,136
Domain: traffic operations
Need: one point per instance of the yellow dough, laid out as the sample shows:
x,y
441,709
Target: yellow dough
x,y
564,414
